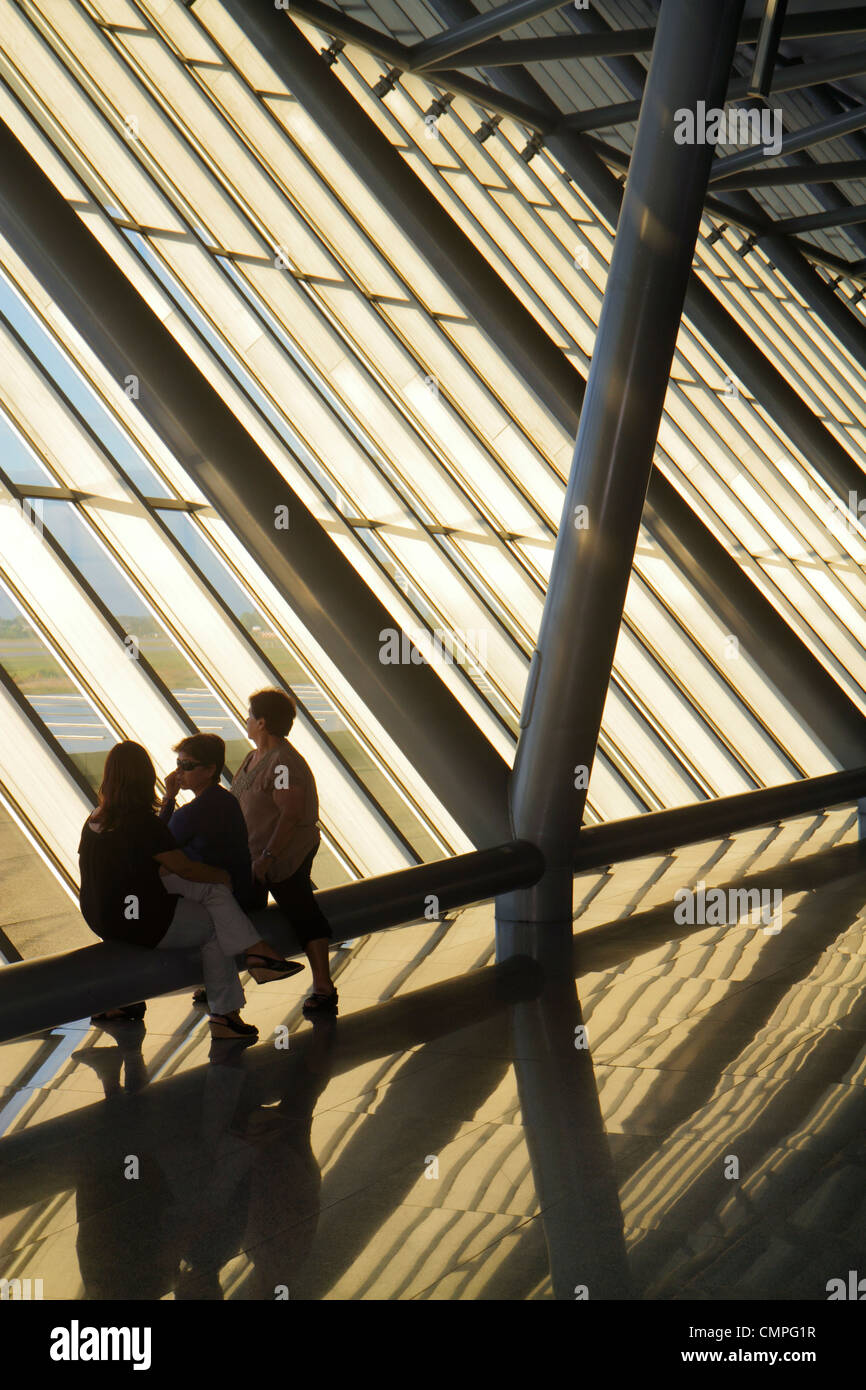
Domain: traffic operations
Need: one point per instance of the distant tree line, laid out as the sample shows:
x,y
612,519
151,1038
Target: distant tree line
x,y
137,625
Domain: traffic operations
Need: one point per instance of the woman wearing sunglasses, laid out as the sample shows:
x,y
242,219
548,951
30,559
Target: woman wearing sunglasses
x,y
138,887
211,828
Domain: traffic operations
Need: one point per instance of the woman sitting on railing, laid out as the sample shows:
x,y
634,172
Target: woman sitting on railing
x,y
138,887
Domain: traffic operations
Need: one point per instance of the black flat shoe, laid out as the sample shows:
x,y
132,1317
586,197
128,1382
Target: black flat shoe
x,y
200,996
222,1027
130,1012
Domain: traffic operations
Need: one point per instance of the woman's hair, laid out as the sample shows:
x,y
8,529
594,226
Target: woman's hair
x,y
206,749
128,784
276,708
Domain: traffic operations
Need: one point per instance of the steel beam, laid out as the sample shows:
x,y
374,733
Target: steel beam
x,y
743,213
397,55
245,487
831,129
628,379
790,79
507,97
829,196
489,99
817,221
560,48
620,42
848,327
51,990
816,24
767,48
832,171
487,26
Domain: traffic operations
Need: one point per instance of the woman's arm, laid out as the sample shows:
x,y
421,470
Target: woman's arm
x,y
174,861
290,804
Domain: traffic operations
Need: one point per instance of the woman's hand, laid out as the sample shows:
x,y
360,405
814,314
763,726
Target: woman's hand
x,y
172,785
260,868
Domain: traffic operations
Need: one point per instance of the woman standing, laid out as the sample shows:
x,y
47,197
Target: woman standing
x,y
136,886
277,792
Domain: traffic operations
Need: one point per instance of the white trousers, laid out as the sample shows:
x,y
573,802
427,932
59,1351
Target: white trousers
x,y
208,916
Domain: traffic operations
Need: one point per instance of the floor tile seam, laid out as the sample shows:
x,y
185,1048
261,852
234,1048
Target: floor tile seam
x,y
344,1107
504,1235
430,1061
381,1173
391,1208
400,1167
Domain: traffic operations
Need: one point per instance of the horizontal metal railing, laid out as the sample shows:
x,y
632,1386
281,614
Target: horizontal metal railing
x,y
51,990
661,831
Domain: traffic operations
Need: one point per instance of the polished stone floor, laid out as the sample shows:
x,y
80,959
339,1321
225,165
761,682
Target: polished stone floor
x,y
449,1136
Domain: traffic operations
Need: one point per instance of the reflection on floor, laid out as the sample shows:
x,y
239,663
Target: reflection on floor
x,y
446,1138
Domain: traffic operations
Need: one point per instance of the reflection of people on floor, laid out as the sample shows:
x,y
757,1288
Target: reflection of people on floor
x,y
108,1061
138,887
260,1192
277,793
124,1247
287,1180
213,1223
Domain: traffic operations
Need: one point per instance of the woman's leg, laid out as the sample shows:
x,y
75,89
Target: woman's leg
x,y
294,896
193,925
233,927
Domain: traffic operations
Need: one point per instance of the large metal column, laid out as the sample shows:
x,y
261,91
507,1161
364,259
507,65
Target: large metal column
x,y
628,378
188,413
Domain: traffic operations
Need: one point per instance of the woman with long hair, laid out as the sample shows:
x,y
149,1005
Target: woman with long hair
x,y
138,887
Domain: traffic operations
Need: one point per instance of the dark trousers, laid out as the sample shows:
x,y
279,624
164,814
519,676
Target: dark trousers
x,y
294,897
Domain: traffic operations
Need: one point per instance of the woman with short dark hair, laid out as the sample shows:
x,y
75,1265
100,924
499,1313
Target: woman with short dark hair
x,y
138,887
211,828
277,793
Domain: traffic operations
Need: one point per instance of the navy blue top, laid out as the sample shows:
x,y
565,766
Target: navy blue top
x,y
211,830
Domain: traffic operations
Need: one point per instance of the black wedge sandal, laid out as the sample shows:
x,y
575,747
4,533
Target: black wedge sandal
x,y
319,1003
271,969
223,1027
